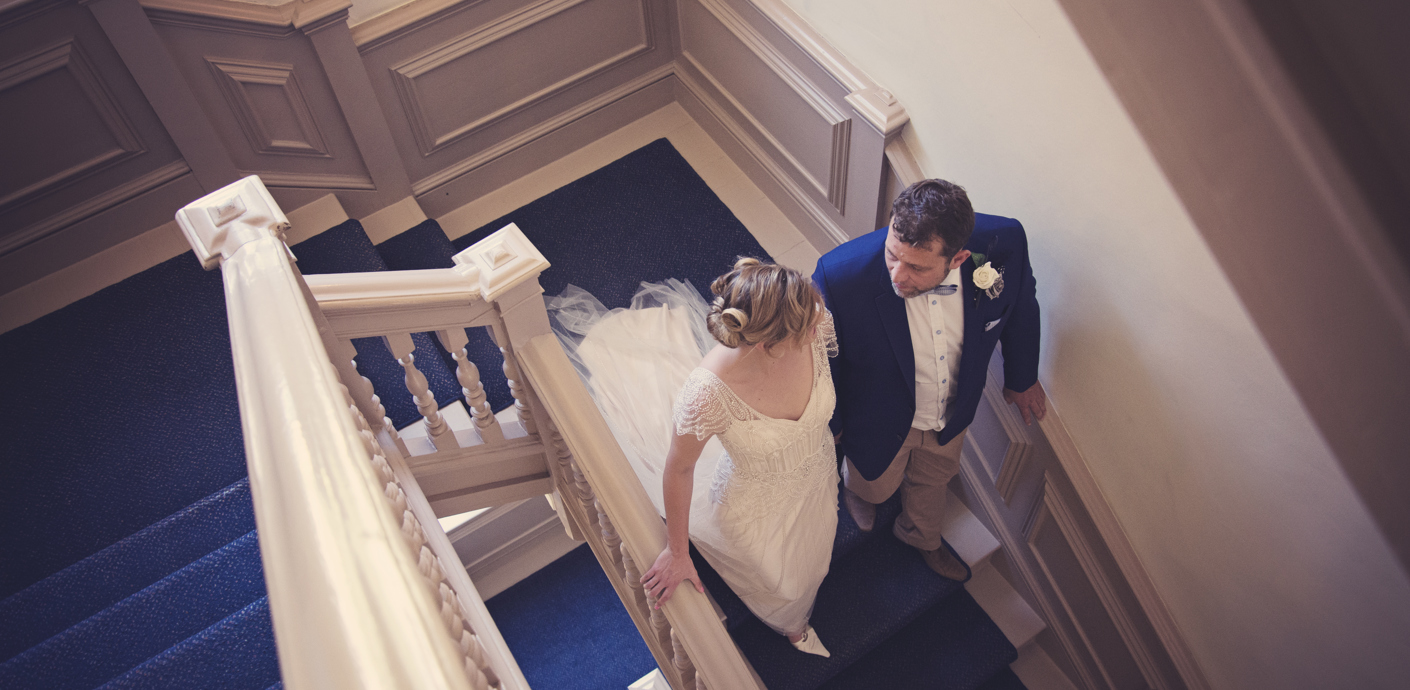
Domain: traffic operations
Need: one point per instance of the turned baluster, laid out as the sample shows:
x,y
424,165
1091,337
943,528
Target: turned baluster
x,y
359,386
454,341
518,387
659,625
609,537
633,575
402,348
681,661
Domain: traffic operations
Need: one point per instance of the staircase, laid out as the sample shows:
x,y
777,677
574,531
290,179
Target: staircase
x,y
179,601
131,508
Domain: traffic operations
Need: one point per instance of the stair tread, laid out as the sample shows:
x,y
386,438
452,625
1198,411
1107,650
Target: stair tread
x,y
81,590
143,624
848,538
347,249
426,246
236,653
951,646
870,594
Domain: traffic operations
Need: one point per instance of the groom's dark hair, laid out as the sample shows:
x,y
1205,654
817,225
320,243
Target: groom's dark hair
x,y
932,210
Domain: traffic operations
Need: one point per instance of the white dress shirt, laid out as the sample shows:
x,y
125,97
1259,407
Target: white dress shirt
x,y
937,334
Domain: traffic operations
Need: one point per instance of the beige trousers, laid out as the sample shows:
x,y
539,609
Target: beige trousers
x,y
922,470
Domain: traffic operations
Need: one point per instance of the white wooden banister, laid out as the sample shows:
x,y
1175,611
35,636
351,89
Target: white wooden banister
x,y
691,624
349,607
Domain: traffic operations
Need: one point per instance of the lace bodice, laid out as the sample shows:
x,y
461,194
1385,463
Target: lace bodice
x,y
767,460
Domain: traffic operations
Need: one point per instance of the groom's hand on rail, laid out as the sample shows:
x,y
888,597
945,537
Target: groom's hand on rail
x,y
667,573
1032,403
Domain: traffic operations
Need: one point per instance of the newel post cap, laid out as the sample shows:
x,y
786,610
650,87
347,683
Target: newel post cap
x,y
218,224
501,261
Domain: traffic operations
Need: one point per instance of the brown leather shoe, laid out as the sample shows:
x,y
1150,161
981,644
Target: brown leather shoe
x,y
863,513
945,564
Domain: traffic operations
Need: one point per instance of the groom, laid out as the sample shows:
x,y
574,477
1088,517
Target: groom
x,y
918,308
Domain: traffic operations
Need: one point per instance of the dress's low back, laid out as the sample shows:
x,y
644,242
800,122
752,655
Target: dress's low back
x,y
764,513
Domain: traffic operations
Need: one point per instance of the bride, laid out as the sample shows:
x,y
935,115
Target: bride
x,y
734,448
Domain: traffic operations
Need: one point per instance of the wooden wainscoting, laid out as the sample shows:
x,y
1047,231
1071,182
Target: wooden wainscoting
x,y
1055,556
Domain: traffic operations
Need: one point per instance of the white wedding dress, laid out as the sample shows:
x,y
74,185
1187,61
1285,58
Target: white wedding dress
x,y
764,507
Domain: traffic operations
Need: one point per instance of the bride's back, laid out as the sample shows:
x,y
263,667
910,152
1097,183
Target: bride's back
x,y
765,318
777,384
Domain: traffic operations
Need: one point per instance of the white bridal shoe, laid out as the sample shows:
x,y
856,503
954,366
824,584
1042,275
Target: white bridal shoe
x,y
810,643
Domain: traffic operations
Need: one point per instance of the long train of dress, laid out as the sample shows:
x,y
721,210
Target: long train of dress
x,y
764,504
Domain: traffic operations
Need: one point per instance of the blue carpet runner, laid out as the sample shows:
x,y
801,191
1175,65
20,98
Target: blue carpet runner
x,y
567,628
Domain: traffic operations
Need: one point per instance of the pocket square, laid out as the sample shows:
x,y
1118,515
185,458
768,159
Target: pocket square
x,y
990,326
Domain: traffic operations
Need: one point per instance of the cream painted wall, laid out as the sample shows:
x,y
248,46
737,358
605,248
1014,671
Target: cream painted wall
x,y
1266,558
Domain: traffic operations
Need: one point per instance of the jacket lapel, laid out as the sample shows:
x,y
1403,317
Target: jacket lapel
x,y
892,310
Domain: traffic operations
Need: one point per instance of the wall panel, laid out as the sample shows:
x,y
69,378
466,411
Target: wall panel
x,y
265,92
78,136
479,79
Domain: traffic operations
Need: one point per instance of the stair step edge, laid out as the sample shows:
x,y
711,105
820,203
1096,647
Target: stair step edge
x,y
966,534
1019,622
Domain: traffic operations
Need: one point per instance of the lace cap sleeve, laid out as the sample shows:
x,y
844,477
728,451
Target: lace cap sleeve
x,y
701,408
827,334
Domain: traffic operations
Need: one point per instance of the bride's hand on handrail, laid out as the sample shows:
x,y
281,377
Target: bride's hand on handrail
x,y
667,573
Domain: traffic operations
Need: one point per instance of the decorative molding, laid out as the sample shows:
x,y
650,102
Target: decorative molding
x,y
1031,531
295,13
404,74
234,78
1067,523
1114,536
223,25
528,136
314,180
374,32
802,198
835,190
1021,446
94,205
14,15
903,162
880,109
68,55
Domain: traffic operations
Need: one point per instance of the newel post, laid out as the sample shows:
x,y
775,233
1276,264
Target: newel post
x,y
218,224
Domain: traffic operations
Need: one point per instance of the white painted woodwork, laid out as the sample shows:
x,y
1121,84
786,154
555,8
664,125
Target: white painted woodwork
x,y
454,341
349,607
402,346
685,635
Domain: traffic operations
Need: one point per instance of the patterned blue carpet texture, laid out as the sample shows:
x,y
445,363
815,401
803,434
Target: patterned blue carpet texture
x,y
130,553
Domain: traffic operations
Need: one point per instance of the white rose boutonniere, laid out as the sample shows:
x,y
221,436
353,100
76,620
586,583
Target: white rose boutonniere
x,y
989,279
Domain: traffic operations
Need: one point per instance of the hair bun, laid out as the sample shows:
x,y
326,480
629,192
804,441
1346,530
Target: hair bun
x,y
746,261
734,319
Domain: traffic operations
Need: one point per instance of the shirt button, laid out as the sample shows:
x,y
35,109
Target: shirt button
x,y
937,332
932,301
942,356
945,381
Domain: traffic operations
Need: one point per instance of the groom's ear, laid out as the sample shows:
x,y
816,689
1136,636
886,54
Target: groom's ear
x,y
961,256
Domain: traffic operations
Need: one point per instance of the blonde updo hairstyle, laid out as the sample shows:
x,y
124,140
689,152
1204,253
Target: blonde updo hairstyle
x,y
759,303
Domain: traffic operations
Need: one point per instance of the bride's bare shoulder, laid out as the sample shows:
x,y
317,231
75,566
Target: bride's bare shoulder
x,y
719,359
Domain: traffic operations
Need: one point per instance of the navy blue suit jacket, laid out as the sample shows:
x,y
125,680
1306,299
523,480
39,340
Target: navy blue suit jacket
x,y
875,372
